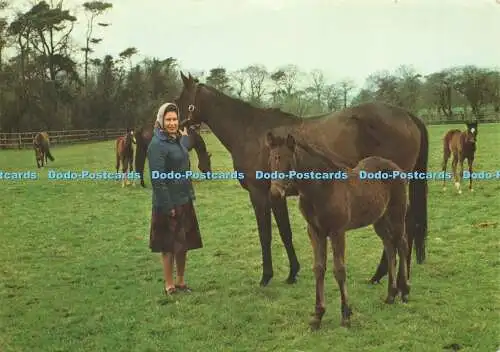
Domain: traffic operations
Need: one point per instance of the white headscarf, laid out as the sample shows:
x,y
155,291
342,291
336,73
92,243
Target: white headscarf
x,y
161,113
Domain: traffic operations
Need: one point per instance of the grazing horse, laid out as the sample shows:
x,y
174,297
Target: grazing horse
x,y
143,137
371,129
333,206
125,155
463,146
41,145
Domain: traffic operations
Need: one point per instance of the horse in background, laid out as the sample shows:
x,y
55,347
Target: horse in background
x,y
333,207
462,145
41,145
144,136
125,155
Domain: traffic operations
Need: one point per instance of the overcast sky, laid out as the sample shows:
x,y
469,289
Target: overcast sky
x,y
343,38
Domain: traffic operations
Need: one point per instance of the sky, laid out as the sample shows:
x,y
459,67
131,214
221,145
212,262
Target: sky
x,y
342,38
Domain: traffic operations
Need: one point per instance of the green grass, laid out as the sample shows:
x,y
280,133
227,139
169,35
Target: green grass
x,y
77,274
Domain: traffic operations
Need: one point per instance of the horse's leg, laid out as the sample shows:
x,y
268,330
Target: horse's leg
x,y
36,158
461,172
339,271
402,279
383,229
470,161
381,269
262,209
446,157
117,161
124,171
280,212
409,237
318,242
454,164
131,167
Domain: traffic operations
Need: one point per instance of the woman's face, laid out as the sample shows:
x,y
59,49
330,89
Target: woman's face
x,y
171,122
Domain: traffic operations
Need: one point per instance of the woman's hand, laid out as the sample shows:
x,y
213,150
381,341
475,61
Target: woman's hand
x,y
172,212
183,132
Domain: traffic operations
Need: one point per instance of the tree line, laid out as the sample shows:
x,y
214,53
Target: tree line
x,y
49,82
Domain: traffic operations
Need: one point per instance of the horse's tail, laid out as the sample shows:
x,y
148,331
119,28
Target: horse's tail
x,y
49,155
418,193
45,142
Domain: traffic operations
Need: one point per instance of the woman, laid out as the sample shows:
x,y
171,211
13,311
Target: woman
x,y
174,226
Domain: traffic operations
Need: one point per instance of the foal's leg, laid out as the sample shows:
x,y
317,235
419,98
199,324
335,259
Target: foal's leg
x,y
384,230
446,157
124,171
402,280
461,172
319,248
131,168
470,161
339,271
117,162
456,176
403,250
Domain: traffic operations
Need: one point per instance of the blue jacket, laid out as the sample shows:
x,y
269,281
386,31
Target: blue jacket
x,y
165,154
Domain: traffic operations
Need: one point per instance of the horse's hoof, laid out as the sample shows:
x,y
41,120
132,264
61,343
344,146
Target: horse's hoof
x,y
472,189
346,323
404,298
373,281
390,300
315,324
291,280
265,280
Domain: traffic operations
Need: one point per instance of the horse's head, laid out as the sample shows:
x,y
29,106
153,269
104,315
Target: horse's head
x,y
188,109
130,137
471,133
205,162
281,156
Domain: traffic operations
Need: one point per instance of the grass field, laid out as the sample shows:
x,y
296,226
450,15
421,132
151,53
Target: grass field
x,y
77,274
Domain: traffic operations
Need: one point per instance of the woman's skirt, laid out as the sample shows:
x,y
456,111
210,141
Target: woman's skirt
x,y
172,234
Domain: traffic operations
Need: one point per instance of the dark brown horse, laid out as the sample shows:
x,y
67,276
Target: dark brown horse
x,y
125,155
143,138
41,145
462,145
372,129
339,200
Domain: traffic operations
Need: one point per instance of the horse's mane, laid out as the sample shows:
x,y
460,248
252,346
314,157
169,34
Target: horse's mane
x,y
334,161
245,104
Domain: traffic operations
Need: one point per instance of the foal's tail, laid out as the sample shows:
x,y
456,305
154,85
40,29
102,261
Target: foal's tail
x,y
418,193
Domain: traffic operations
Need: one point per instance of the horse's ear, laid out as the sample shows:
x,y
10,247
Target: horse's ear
x,y
185,80
269,139
290,142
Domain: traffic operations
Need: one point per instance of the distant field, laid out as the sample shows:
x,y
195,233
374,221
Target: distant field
x,y
77,274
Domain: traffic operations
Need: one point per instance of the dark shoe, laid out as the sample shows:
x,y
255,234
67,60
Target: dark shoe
x,y
183,288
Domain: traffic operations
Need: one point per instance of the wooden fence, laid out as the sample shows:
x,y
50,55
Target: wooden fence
x,y
25,139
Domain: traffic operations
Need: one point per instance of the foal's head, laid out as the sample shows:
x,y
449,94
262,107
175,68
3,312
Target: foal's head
x,y
281,160
471,133
129,137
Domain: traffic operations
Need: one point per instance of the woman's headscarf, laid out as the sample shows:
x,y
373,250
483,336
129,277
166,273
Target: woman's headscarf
x,y
161,113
